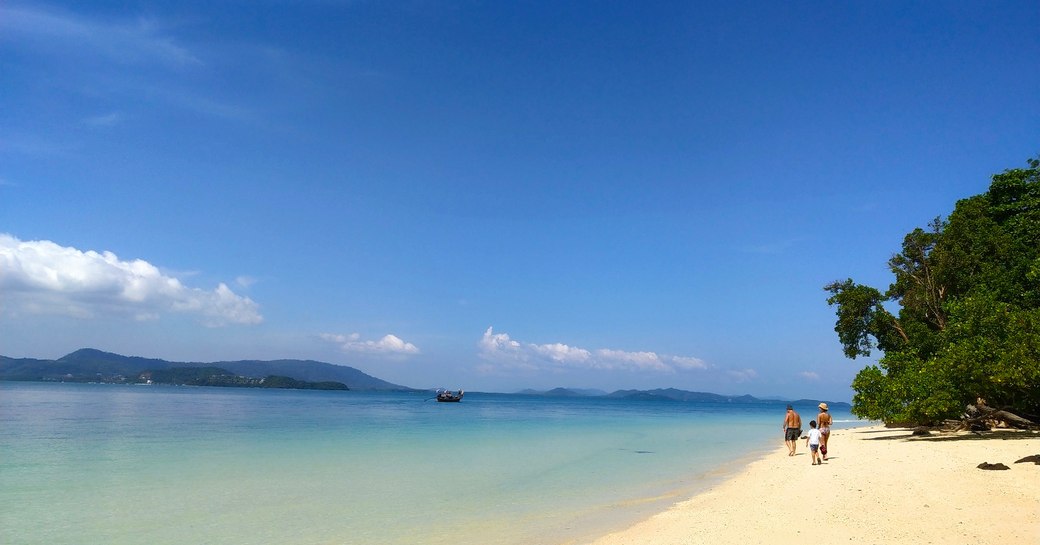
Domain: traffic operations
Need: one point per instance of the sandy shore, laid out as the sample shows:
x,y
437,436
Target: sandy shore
x,y
880,486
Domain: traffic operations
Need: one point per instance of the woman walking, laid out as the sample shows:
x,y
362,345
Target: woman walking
x,y
824,420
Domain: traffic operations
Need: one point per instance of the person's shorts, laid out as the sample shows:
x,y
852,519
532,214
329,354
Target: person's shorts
x,y
813,447
792,434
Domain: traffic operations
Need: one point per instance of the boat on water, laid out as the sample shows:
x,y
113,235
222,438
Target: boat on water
x,y
448,396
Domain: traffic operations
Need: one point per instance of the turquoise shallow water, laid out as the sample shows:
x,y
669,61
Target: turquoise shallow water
x,y
84,463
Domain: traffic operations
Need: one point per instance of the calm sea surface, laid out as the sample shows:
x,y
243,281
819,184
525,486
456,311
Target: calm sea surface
x,y
84,464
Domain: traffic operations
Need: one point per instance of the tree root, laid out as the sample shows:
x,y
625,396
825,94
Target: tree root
x,y
981,417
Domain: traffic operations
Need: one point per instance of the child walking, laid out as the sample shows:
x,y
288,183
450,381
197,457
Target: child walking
x,y
813,440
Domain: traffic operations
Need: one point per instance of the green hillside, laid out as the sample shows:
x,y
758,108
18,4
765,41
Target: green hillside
x,y
91,365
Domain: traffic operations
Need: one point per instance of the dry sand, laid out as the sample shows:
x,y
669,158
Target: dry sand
x,y
880,486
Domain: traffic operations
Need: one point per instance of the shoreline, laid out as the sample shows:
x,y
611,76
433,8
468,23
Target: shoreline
x,y
618,516
880,486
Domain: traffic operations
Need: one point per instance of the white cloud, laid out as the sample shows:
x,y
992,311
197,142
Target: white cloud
x,y
684,362
389,345
620,359
562,353
742,375
810,375
502,352
42,277
496,345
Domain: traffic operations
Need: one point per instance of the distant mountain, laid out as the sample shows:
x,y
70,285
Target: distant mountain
x,y
814,402
679,395
564,392
591,392
90,360
672,394
89,364
311,371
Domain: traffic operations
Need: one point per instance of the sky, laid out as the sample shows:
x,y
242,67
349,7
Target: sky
x,y
490,195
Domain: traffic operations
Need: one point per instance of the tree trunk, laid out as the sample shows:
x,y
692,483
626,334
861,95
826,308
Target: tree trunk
x,y
980,413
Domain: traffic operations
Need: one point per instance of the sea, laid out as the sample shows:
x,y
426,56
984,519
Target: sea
x,y
133,464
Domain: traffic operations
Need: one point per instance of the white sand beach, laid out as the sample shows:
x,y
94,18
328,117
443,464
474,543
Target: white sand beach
x,y
880,486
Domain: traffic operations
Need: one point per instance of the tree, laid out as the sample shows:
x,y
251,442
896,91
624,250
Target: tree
x,y
862,319
968,322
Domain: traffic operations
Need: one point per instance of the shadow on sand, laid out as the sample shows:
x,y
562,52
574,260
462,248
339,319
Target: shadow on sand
x,y
937,436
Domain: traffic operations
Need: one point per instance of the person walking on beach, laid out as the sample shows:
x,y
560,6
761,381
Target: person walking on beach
x,y
825,420
792,429
812,440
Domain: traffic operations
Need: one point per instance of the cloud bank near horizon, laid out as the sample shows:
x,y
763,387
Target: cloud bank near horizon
x,y
389,345
502,352
42,277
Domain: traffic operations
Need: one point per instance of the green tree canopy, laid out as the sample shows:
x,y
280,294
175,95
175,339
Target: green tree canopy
x,y
968,321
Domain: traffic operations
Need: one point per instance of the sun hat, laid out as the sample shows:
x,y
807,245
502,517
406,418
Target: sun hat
x,y
823,406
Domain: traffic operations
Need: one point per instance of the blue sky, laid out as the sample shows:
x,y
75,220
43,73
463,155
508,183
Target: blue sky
x,y
490,195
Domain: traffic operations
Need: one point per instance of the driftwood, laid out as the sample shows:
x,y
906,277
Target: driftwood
x,y
1034,458
981,417
987,465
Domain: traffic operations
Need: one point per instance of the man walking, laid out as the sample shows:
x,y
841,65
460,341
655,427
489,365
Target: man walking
x,y
792,429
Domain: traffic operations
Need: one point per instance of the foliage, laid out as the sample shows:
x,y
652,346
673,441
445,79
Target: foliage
x,y
862,318
192,376
968,325
277,381
215,376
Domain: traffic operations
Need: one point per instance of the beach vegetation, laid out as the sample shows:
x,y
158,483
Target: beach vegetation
x,y
960,323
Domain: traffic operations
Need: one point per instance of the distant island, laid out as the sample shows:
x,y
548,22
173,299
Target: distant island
x,y
215,376
92,365
673,394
